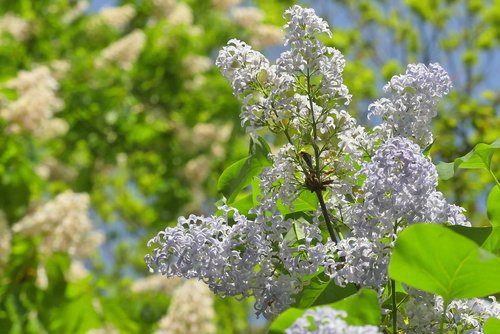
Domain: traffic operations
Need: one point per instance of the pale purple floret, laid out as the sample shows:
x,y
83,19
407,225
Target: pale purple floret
x,y
412,102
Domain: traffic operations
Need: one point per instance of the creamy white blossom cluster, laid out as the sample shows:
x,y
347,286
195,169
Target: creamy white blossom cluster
x,y
117,17
5,238
175,12
191,310
224,4
424,310
262,34
33,110
15,26
62,225
156,283
194,67
327,320
76,11
123,52
411,105
225,251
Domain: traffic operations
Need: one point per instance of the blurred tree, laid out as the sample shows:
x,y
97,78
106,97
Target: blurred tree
x,y
123,104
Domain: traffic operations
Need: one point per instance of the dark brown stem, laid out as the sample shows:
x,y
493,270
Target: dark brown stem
x,y
333,231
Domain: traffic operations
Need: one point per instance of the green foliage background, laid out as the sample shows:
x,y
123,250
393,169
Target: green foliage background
x,y
132,136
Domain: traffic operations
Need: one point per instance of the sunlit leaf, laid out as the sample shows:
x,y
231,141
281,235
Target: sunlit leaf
x,y
492,326
322,290
362,308
479,157
493,206
435,259
240,174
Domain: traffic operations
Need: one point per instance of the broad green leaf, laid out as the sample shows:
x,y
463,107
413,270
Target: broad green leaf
x,y
435,259
493,206
322,290
362,308
285,320
479,157
243,204
477,234
240,174
492,326
486,237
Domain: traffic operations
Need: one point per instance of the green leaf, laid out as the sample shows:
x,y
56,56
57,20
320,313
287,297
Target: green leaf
x,y
400,297
306,201
243,204
486,237
492,326
493,206
240,174
435,259
285,320
322,290
296,233
362,308
479,157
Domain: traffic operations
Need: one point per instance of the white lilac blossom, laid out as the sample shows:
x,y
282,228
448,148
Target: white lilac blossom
x,y
411,105
274,94
399,190
225,256
370,185
365,262
326,320
423,313
279,182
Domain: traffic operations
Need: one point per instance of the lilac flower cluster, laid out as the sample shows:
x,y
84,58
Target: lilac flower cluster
x,y
399,190
409,110
464,315
326,320
369,184
236,256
